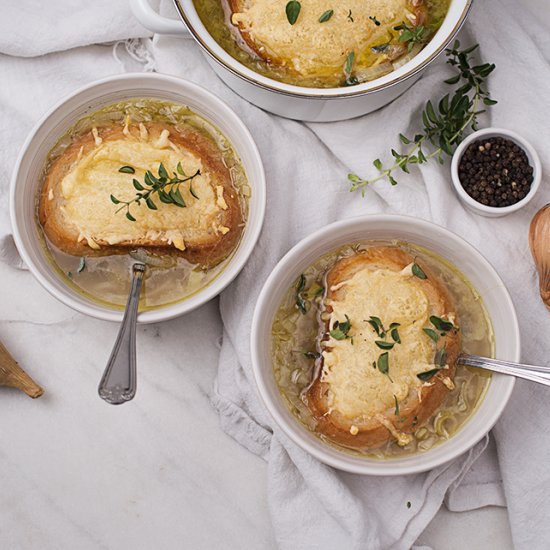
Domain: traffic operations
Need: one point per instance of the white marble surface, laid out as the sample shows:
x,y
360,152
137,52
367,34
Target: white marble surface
x,y
156,473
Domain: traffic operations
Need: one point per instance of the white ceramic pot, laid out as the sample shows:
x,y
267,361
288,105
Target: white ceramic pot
x,y
310,104
387,227
27,179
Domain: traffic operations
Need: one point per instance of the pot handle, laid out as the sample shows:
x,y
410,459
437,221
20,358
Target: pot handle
x,y
155,22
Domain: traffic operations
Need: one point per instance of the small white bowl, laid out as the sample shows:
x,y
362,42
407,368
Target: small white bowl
x,y
26,181
495,211
387,227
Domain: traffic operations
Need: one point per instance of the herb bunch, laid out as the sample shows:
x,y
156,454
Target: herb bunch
x,y
164,186
444,125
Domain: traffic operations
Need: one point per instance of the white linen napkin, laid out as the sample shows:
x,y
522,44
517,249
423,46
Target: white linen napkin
x,y
314,506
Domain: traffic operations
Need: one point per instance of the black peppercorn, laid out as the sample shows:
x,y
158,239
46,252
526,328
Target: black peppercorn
x,y
495,172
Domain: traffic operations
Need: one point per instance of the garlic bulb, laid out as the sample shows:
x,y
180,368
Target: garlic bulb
x,y
539,241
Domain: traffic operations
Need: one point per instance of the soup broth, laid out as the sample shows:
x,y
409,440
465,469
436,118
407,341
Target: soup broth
x,y
293,347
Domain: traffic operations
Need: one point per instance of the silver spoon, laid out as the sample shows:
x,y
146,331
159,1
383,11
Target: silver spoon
x,y
533,373
118,383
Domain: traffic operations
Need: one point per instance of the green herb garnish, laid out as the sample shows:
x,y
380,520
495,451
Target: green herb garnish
x,y
396,405
127,170
312,355
394,333
348,67
350,17
300,302
412,35
293,11
440,362
81,265
381,48
441,324
166,188
417,271
383,364
424,376
432,334
408,504
440,359
326,16
384,345
445,126
374,20
377,325
340,330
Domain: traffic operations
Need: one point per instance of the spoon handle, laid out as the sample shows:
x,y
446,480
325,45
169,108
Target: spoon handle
x,y
533,373
118,383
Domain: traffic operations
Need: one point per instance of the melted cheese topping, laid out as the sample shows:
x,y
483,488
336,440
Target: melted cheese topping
x,y
87,187
357,389
309,46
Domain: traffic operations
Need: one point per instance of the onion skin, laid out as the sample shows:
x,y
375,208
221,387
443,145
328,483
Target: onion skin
x,y
539,242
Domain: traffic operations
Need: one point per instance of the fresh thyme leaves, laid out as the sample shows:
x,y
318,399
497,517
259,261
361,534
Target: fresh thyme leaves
x,y
348,68
300,302
432,334
81,265
340,330
80,269
293,11
377,325
326,16
374,20
396,405
127,170
166,188
350,17
412,35
408,504
395,333
425,376
312,355
383,364
440,359
381,48
303,296
440,362
441,324
417,271
445,126
384,345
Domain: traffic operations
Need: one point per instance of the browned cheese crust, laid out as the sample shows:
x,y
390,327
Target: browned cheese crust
x,y
204,252
416,409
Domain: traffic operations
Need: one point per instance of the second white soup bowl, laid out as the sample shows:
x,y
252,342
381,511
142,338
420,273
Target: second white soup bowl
x,y
428,235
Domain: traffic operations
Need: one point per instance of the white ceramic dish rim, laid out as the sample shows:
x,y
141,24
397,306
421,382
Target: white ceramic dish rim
x,y
430,52
532,155
154,82
263,374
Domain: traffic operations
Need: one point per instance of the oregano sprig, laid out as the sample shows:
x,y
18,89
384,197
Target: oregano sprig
x,y
163,186
445,123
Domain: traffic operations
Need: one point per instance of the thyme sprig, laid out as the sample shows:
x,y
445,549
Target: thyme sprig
x,y
444,126
164,186
411,35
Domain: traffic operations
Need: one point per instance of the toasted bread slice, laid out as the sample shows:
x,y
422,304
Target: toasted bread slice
x,y
312,48
79,217
355,402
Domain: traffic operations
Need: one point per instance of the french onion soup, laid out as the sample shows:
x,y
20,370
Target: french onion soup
x,y
364,348
145,180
